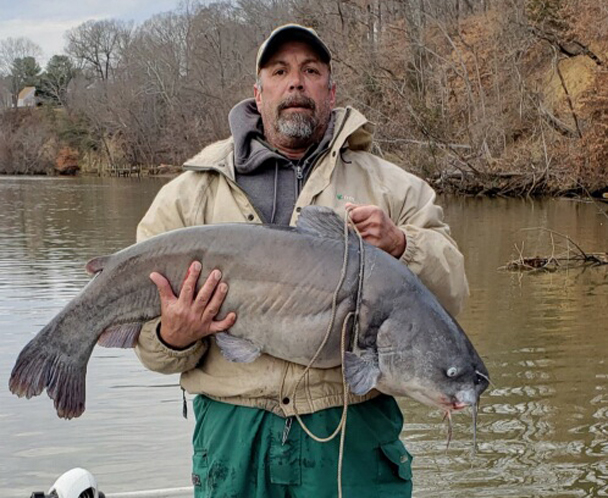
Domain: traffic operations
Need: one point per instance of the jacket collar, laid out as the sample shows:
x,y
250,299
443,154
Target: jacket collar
x,y
352,131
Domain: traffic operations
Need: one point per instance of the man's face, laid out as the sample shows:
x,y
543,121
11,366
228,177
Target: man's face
x,y
295,98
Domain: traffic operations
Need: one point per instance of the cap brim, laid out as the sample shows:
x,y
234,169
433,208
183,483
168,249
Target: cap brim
x,y
292,33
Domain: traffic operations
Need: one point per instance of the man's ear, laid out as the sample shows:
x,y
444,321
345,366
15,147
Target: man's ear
x,y
332,95
257,94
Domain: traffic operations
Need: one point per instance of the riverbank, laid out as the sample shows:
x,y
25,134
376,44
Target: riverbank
x,y
455,183
507,99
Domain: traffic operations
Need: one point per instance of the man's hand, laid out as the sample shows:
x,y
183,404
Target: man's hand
x,y
377,228
189,317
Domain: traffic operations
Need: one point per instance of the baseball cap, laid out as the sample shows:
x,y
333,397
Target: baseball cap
x,y
290,32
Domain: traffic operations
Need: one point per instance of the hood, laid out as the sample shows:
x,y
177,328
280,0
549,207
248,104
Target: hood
x,y
248,135
352,130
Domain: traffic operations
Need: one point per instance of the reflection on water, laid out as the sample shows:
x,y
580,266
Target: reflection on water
x,y
132,428
542,427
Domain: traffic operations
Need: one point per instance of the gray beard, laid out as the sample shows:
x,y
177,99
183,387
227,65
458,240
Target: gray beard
x,y
297,126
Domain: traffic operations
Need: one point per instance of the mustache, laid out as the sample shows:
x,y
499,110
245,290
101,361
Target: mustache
x,y
297,101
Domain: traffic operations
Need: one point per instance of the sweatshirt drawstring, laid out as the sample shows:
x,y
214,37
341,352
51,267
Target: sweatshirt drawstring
x,y
276,188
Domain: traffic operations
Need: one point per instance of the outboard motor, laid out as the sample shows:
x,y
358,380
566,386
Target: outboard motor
x,y
75,483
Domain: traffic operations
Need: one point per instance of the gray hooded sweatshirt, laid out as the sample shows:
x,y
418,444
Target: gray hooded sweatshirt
x,y
271,181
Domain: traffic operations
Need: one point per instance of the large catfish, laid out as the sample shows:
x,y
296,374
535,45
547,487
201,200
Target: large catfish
x,y
282,281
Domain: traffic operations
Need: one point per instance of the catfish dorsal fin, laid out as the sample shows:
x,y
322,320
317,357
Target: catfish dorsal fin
x,y
96,264
321,221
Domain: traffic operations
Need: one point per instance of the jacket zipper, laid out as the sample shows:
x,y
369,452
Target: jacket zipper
x,y
299,178
300,171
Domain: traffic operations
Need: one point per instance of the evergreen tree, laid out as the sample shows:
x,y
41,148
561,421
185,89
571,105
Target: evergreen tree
x,y
55,80
25,71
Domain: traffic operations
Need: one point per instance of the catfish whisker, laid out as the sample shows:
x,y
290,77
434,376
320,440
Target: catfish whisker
x,y
475,409
485,377
448,415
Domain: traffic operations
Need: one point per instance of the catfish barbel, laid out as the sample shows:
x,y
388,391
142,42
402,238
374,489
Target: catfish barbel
x,y
282,281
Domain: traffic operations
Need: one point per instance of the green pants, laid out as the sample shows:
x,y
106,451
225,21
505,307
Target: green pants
x,y
242,452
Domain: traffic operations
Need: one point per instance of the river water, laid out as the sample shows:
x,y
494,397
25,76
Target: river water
x,y
543,425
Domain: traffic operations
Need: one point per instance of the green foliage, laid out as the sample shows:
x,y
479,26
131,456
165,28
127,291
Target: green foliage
x,y
55,80
15,48
25,71
75,131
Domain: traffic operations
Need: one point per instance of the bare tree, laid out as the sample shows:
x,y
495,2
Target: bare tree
x,y
464,92
99,45
16,48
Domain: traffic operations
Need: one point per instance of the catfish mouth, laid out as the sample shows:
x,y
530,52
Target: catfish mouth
x,y
454,405
468,396
445,402
431,397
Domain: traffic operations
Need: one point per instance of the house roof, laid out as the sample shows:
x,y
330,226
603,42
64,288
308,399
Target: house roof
x,y
27,91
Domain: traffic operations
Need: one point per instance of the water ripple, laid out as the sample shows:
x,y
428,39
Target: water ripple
x,y
542,429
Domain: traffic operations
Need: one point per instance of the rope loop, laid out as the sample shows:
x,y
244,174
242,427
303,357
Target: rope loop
x,y
354,344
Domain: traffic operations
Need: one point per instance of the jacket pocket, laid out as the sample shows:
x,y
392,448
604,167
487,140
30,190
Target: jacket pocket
x,y
394,462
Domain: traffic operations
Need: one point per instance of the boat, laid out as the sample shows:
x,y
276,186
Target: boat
x,y
80,483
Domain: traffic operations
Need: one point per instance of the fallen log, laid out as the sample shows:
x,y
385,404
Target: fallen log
x,y
572,257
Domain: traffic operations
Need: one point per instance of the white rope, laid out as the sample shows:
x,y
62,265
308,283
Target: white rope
x,y
341,428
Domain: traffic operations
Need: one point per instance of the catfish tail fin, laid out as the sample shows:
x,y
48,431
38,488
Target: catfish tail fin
x,y
38,368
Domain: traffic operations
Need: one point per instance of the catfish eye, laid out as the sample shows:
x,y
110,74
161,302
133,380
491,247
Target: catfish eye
x,y
451,372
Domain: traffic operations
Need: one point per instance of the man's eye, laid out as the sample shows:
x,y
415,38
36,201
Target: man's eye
x,y
312,70
279,72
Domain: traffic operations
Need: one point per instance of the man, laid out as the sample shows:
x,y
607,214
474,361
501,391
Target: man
x,y
290,148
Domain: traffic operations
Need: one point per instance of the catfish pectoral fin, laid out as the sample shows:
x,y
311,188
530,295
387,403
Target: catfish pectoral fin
x,y
362,372
237,349
123,335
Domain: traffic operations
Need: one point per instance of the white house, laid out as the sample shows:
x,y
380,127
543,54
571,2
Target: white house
x,y
27,97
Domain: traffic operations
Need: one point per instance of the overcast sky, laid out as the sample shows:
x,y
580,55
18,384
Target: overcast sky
x,y
45,21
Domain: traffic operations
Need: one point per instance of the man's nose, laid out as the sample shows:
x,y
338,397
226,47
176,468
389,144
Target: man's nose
x,y
296,82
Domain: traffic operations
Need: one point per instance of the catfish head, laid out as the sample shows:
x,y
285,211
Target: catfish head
x,y
419,351
432,363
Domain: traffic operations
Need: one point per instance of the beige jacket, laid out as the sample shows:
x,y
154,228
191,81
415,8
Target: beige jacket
x,y
207,193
